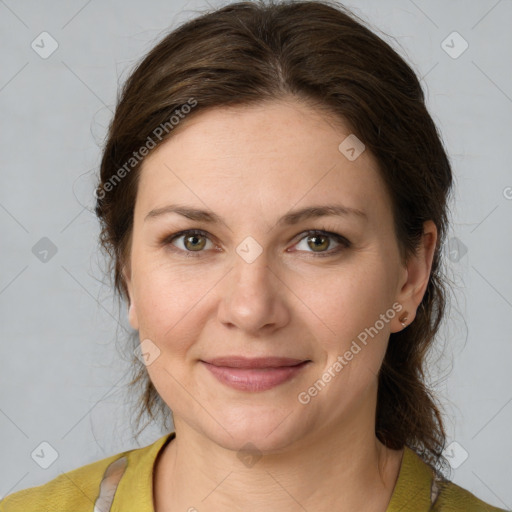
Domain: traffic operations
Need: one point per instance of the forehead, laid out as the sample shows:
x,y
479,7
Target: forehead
x,y
260,158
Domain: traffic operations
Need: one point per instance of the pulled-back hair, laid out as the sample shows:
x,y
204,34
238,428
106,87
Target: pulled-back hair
x,y
316,52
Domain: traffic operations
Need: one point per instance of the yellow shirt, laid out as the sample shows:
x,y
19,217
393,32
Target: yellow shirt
x,y
124,483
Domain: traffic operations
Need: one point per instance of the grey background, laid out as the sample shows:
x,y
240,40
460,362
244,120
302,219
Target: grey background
x,y
61,375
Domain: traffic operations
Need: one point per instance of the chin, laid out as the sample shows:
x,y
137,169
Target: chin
x,y
268,430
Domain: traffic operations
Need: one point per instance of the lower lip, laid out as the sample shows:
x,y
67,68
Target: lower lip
x,y
254,379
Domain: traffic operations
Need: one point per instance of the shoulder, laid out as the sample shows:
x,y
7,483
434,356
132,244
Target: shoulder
x,y
75,490
93,487
453,498
421,486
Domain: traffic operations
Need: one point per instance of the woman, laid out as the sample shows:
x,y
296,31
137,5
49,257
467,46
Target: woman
x,y
273,194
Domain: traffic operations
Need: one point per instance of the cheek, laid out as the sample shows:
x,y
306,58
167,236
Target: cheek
x,y
349,299
169,307
168,300
351,305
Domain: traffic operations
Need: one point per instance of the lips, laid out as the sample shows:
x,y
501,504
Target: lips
x,y
254,374
256,362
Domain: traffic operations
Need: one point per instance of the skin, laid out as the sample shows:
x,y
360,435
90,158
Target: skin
x,y
251,166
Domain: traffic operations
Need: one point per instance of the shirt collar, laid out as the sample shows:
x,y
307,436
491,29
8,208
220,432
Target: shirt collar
x,y
413,486
135,490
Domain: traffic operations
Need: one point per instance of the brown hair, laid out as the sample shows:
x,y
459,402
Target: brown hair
x,y
316,52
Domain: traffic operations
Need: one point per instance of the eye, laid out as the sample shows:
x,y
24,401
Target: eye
x,y
322,240
193,241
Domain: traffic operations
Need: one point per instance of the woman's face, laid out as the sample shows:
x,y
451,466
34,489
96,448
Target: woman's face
x,y
255,284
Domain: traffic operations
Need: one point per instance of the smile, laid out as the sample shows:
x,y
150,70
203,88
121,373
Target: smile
x,y
258,374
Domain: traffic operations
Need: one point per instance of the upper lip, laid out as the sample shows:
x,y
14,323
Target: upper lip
x,y
256,362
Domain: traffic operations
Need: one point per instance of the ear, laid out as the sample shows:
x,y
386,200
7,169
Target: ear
x,y
416,277
132,309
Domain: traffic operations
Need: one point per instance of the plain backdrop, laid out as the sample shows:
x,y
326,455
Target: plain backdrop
x,y
61,376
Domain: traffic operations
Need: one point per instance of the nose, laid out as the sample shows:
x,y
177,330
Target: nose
x,y
254,298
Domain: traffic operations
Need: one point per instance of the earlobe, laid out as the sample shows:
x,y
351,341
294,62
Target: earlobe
x,y
403,319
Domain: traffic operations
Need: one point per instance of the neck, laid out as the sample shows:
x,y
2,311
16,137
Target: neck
x,y
340,468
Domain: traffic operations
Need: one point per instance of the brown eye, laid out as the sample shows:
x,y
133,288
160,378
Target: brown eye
x,y
320,242
189,242
194,242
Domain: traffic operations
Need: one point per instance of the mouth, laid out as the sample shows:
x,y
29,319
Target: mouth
x,y
254,374
256,362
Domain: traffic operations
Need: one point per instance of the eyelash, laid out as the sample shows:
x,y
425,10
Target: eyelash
x,y
345,243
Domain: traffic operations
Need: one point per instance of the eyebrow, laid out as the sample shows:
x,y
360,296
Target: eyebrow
x,y
290,218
